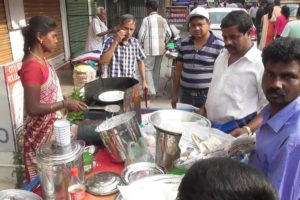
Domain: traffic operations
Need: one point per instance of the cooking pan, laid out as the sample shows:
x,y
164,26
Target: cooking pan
x,y
110,96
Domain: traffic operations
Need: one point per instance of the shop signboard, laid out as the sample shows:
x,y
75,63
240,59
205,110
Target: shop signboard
x,y
11,104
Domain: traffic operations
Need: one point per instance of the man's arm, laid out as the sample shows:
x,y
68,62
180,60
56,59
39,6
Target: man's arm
x,y
176,81
106,56
251,127
112,30
142,73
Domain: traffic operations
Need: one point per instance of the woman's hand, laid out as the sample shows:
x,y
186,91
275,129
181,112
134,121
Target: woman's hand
x,y
73,105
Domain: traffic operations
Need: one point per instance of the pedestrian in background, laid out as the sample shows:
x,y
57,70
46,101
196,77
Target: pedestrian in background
x,y
195,62
42,92
292,29
281,21
97,31
268,29
262,10
277,148
276,11
153,36
122,52
253,10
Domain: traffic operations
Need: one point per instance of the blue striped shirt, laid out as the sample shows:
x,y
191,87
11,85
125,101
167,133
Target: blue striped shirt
x,y
198,64
124,60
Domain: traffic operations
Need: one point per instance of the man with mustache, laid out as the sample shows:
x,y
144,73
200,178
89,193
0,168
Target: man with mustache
x,y
277,152
235,95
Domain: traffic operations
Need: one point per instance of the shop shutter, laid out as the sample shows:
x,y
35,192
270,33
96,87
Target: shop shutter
x,y
138,9
5,48
50,8
78,22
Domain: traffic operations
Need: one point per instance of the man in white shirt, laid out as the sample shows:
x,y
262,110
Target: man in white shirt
x,y
253,10
153,35
235,94
97,31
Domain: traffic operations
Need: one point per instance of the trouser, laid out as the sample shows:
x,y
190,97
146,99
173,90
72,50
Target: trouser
x,y
152,68
195,97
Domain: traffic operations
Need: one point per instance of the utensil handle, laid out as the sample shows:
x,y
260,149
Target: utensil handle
x,y
146,97
95,108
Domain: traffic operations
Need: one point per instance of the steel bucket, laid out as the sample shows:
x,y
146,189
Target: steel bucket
x,y
168,133
118,133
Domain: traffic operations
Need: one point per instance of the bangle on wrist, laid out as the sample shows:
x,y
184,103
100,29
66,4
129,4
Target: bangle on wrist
x,y
249,132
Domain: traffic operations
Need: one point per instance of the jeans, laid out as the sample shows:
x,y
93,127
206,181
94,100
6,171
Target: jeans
x,y
195,97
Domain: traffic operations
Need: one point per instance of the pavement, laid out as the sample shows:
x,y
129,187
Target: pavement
x,y
162,99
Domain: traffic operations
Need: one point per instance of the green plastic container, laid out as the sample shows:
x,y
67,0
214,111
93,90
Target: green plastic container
x,y
87,162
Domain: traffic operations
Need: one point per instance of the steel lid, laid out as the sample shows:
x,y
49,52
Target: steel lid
x,y
16,194
53,154
103,183
139,170
115,121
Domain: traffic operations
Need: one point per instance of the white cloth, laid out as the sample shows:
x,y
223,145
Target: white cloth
x,y
94,42
252,11
236,90
153,34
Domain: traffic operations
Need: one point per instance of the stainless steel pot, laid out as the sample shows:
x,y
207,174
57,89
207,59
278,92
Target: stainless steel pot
x,y
117,133
55,163
168,133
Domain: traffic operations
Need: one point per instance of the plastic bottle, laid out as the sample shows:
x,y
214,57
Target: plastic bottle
x,y
76,188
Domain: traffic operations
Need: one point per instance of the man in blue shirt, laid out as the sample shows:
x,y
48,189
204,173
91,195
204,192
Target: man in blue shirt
x,y
277,153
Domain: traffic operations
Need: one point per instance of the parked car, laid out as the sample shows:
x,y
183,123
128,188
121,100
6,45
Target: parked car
x,y
217,14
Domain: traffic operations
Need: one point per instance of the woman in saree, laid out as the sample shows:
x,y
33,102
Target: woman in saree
x,y
268,29
42,92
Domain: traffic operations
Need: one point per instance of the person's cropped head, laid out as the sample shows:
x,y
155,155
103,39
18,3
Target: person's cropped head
x,y
127,23
285,11
224,179
236,27
263,3
269,10
41,30
198,22
101,13
151,6
281,78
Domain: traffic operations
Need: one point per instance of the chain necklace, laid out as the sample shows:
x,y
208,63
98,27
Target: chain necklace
x,y
38,57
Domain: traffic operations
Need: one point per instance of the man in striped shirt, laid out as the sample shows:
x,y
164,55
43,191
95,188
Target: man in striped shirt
x,y
122,52
153,35
196,58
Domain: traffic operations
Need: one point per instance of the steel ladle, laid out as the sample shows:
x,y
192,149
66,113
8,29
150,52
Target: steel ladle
x,y
108,108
